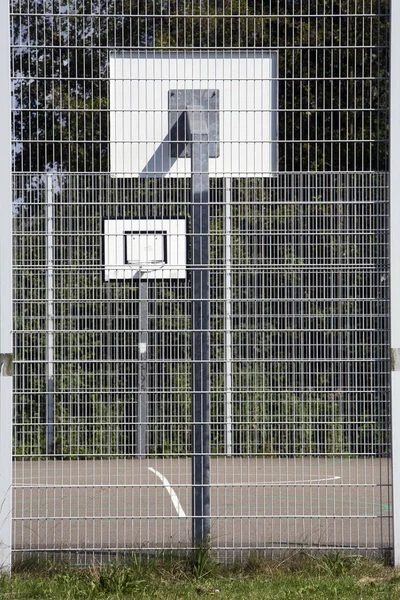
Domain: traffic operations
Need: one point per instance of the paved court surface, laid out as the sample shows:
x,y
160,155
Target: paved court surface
x,y
255,503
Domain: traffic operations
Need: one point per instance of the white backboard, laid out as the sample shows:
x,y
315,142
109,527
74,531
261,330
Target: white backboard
x,y
145,248
139,84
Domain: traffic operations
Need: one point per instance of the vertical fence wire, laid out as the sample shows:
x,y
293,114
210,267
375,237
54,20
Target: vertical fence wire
x,y
298,367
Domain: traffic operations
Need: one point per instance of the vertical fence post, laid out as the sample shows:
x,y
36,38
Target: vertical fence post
x,y
142,410
228,318
5,295
50,320
395,266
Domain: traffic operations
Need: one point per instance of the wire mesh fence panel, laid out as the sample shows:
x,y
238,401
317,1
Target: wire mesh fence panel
x,y
201,294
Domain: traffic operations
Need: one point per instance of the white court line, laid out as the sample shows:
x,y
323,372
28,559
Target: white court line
x,y
29,484
181,512
174,497
303,481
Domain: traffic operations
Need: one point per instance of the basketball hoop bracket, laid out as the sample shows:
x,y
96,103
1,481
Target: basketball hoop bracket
x,y
200,102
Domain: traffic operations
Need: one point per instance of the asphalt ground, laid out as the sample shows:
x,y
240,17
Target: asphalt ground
x,y
128,504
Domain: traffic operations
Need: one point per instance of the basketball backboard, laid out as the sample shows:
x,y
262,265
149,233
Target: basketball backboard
x,y
140,83
144,248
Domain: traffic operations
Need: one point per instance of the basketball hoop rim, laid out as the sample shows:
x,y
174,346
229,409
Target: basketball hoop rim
x,y
147,267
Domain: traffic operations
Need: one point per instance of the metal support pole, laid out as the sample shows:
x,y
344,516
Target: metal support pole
x,y
141,440
198,134
50,320
6,357
228,320
394,268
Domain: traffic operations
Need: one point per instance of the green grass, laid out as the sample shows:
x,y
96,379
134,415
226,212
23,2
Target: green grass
x,y
299,576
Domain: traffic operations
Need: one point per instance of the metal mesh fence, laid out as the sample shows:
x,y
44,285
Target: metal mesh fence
x,y
298,364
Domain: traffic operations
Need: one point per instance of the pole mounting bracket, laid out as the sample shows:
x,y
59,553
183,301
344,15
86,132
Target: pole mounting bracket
x,y
182,102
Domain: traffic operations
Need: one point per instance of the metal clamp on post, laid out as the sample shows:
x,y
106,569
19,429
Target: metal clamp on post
x,y
395,359
6,369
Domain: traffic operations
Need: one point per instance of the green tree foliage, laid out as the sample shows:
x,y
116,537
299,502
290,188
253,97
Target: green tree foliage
x,y
333,73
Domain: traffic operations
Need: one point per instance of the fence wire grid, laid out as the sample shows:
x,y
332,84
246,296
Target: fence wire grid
x,y
265,354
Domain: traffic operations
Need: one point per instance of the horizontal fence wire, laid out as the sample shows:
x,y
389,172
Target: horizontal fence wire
x,y
277,336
